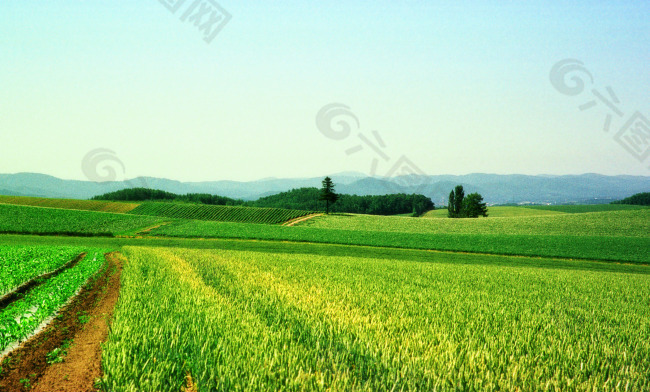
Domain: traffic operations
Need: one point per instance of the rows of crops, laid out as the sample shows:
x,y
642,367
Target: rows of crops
x,y
613,248
19,264
69,204
34,220
631,223
218,213
255,321
21,318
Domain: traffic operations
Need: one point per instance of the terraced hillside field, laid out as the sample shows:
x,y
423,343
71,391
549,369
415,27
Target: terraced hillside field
x,y
69,204
218,213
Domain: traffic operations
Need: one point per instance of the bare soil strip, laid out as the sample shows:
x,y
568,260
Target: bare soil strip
x,y
84,322
146,231
300,220
22,290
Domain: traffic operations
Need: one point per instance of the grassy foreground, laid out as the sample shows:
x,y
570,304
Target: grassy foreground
x,y
235,320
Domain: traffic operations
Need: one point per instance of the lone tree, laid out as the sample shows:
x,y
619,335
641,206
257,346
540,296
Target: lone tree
x,y
473,206
455,205
327,194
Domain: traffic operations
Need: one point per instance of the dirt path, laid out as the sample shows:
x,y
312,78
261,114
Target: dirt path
x,y
84,323
300,220
146,231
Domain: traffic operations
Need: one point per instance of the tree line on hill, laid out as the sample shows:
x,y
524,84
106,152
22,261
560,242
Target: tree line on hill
x,y
146,194
640,199
297,199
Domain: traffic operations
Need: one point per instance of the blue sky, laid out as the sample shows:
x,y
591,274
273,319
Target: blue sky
x,y
454,88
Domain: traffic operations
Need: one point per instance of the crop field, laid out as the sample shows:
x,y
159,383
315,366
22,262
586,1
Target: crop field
x,y
581,209
231,320
19,264
632,223
22,316
497,212
35,220
343,302
218,213
69,204
615,236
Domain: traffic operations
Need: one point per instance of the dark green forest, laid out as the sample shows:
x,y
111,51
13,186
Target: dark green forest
x,y
297,199
146,194
308,199
640,199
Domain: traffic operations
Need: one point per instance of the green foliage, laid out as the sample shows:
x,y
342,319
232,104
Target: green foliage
x,y
83,317
146,194
308,199
58,354
641,199
34,220
455,205
26,382
327,194
21,318
19,264
218,213
254,321
136,194
461,206
473,206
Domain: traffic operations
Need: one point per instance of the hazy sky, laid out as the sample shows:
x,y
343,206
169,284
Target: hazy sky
x,y
454,88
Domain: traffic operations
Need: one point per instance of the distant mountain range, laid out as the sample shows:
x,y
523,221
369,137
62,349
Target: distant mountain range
x,y
495,188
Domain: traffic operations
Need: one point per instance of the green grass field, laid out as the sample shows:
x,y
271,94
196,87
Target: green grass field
x,y
69,204
633,223
614,236
36,220
613,248
253,321
497,212
581,209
